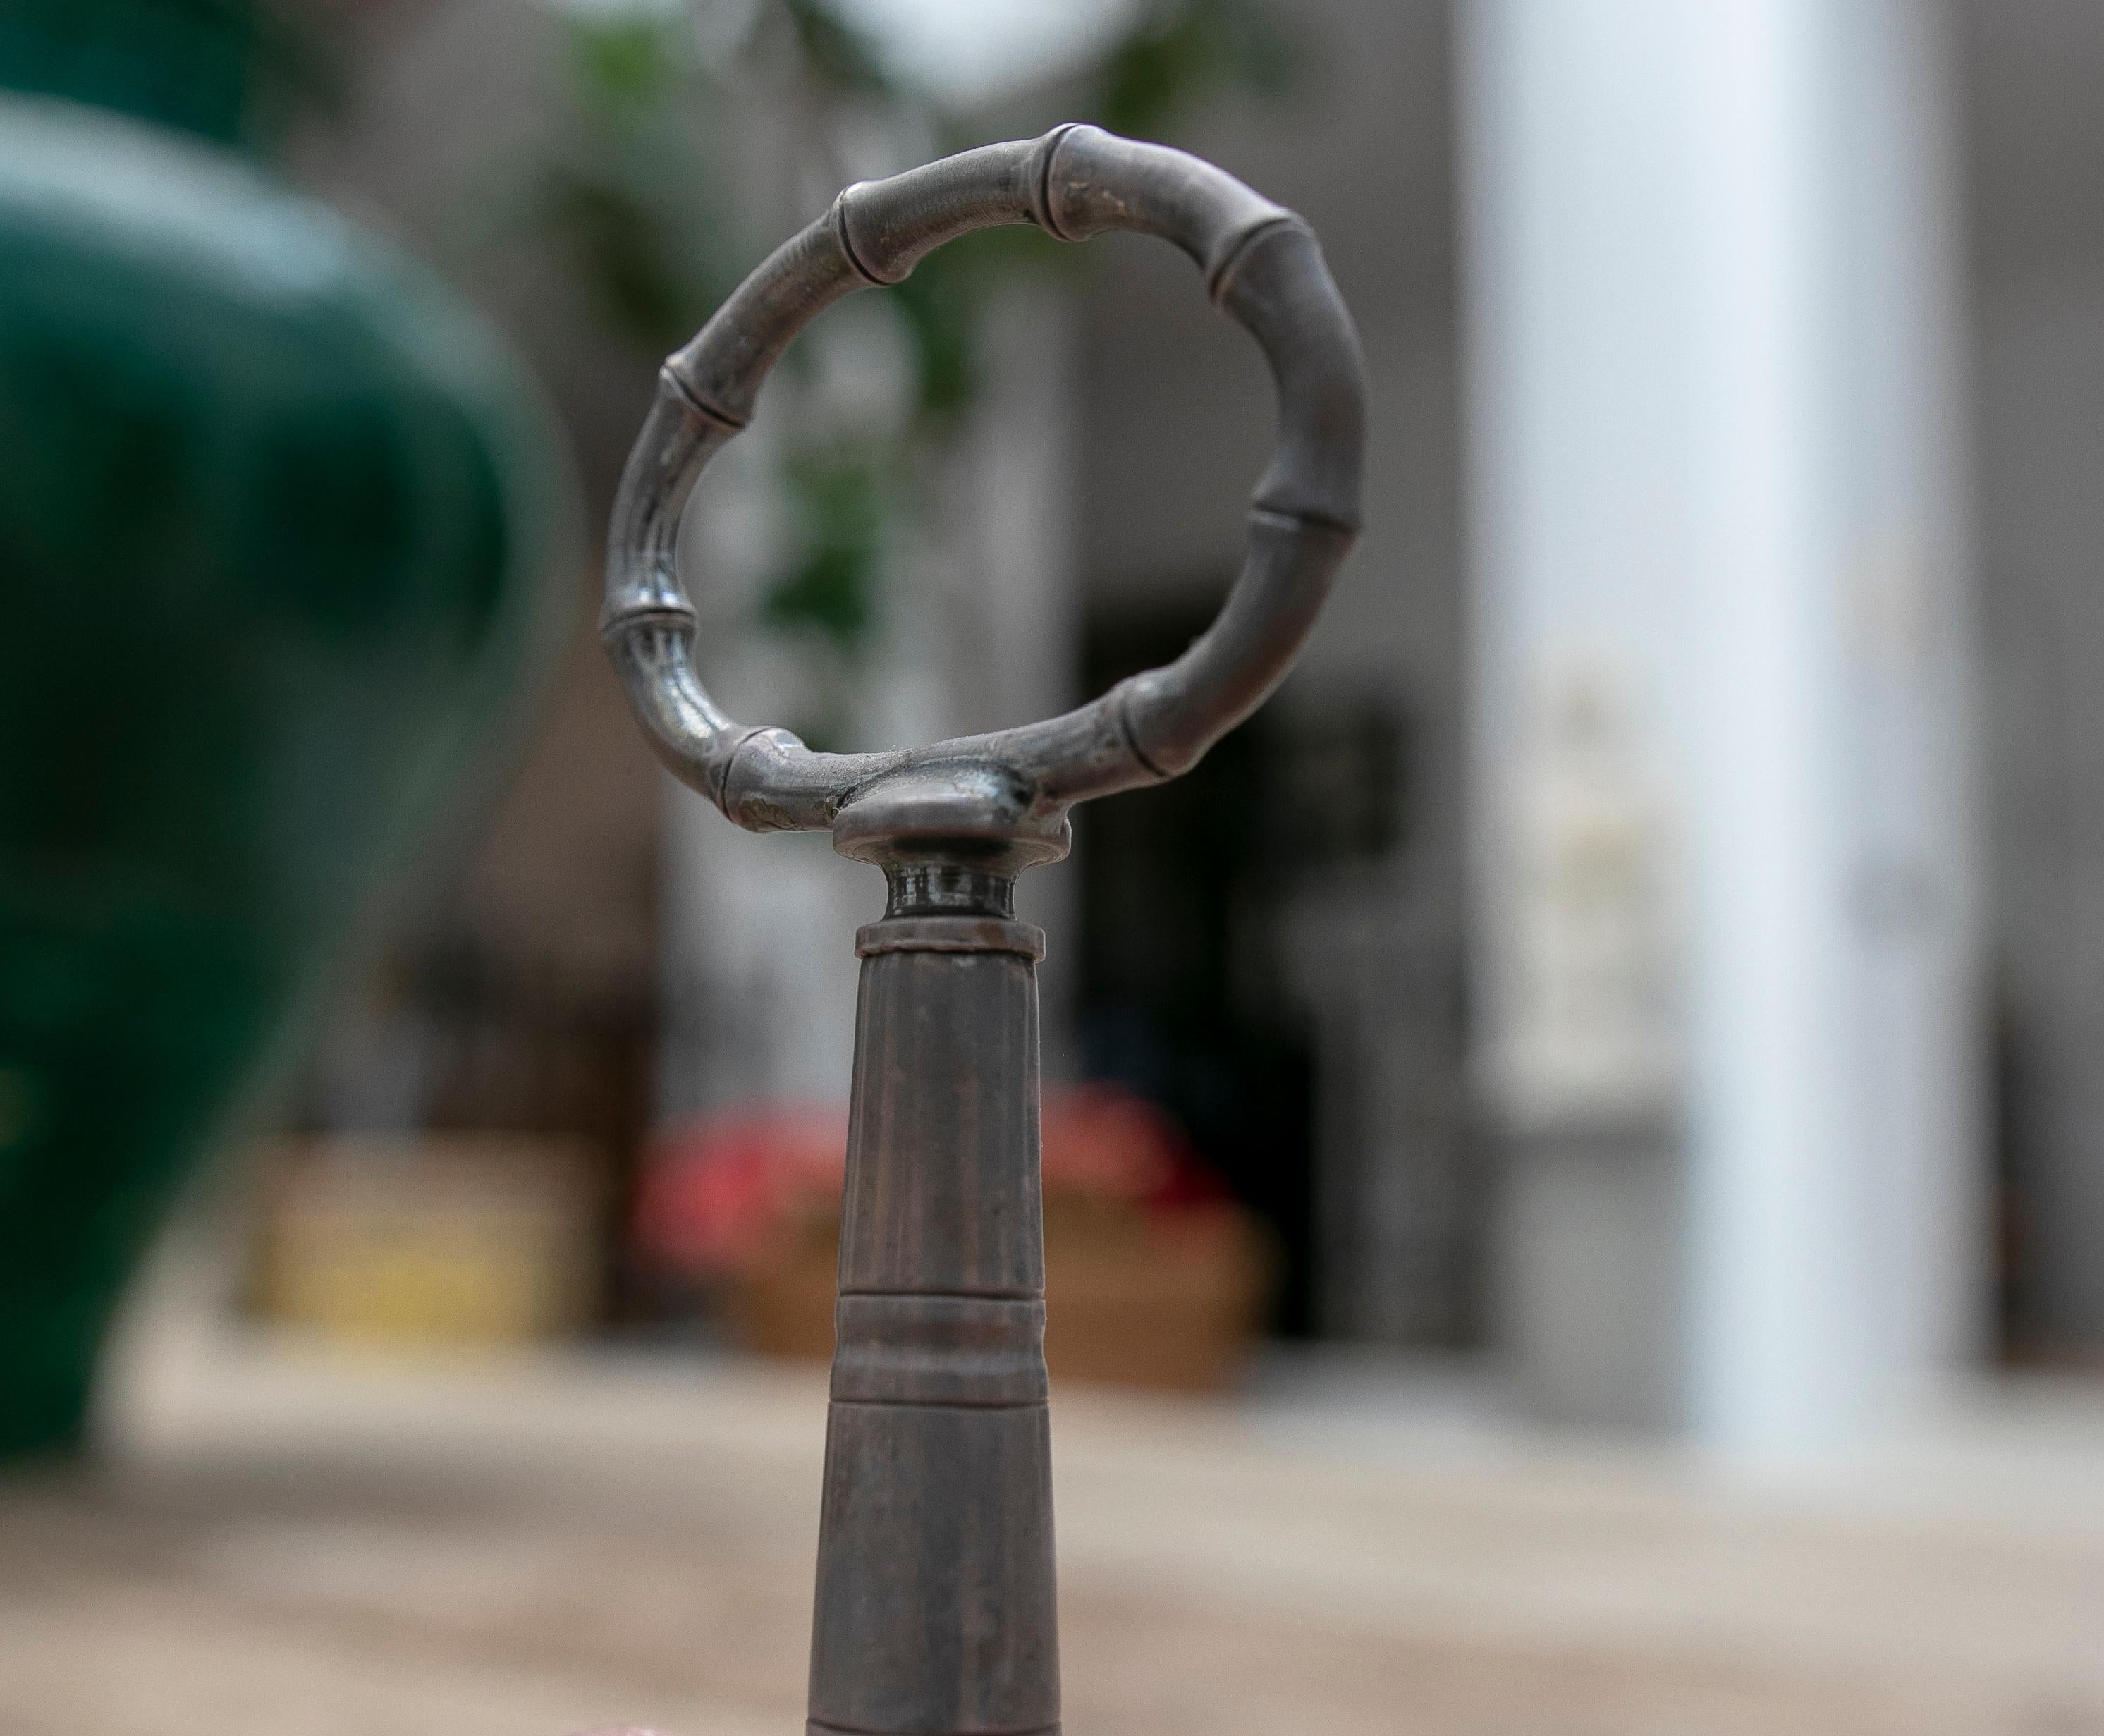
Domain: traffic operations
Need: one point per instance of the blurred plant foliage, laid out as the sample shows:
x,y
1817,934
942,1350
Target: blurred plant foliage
x,y
638,187
237,72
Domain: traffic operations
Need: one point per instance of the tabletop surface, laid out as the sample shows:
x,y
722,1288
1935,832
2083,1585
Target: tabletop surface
x,y
289,1542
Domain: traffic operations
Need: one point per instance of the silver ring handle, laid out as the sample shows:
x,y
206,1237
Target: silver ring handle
x,y
1262,265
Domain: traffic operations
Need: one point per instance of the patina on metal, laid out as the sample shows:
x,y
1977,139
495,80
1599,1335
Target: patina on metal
x,y
935,1612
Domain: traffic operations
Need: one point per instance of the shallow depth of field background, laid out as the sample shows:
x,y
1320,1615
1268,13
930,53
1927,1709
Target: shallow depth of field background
x,y
1575,1141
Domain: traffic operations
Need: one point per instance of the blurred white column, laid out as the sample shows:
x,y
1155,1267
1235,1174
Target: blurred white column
x,y
1722,825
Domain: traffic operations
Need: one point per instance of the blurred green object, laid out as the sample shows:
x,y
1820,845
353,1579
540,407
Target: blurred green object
x,y
234,71
281,533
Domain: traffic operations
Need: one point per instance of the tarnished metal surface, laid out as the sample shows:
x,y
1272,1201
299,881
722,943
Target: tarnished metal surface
x,y
1261,266
935,1587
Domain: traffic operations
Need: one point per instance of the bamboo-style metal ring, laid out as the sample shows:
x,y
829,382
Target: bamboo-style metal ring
x,y
1262,265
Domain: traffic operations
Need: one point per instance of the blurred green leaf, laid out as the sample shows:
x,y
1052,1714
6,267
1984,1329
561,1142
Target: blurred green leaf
x,y
629,187
644,283
1180,56
836,56
840,498
941,304
634,60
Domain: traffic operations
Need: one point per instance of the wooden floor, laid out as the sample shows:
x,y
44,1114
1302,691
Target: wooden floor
x,y
287,1545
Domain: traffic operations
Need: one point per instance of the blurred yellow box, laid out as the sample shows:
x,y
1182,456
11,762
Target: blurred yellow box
x,y
456,1239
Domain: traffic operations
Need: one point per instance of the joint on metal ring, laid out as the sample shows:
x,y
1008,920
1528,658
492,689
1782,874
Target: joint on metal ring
x,y
844,239
1040,179
692,398
1220,275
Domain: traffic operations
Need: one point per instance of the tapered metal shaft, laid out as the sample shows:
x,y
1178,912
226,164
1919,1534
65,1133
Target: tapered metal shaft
x,y
934,1613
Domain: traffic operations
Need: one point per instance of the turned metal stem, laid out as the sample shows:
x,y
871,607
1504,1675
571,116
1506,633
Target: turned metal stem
x,y
935,1608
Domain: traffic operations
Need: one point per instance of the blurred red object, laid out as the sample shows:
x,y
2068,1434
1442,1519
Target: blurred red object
x,y
721,1192
1103,1142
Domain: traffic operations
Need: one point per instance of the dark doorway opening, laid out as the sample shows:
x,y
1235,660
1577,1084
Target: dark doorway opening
x,y
1185,891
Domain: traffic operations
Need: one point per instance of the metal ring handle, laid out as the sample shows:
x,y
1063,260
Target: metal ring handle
x,y
1262,264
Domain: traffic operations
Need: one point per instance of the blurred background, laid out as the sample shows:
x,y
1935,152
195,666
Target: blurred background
x,y
1574,1141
